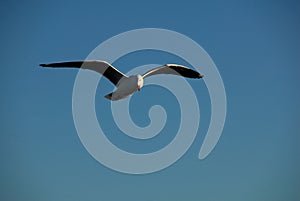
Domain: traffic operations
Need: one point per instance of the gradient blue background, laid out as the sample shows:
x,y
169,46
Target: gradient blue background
x,y
256,47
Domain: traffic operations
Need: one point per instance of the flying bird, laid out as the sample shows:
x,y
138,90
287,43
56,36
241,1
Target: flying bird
x,y
126,85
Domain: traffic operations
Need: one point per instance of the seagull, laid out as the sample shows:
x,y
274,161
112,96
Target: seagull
x,y
126,85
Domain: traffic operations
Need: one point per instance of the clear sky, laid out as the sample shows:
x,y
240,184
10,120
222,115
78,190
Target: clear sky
x,y
256,48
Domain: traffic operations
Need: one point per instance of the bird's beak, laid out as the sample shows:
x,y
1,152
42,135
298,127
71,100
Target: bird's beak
x,y
139,87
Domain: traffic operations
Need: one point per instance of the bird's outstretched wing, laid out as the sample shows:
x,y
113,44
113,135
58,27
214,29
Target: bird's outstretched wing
x,y
102,67
174,69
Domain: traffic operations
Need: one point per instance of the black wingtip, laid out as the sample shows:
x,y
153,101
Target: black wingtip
x,y
108,96
43,65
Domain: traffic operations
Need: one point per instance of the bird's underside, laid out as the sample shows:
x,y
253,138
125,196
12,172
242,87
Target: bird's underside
x,y
126,85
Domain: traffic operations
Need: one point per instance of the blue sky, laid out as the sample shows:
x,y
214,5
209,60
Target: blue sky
x,y
255,46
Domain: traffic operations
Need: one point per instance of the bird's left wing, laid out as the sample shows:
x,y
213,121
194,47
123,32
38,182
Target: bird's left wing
x,y
102,67
174,69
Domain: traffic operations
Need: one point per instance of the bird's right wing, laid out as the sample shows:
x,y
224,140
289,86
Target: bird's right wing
x,y
173,69
102,67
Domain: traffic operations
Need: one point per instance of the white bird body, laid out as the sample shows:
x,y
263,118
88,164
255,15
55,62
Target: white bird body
x,y
126,86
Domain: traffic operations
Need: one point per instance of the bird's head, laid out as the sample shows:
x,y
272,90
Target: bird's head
x,y
140,82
